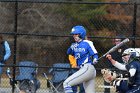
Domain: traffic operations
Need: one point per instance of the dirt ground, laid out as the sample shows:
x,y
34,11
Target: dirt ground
x,y
6,88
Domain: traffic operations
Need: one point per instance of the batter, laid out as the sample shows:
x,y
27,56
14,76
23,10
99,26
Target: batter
x,y
86,56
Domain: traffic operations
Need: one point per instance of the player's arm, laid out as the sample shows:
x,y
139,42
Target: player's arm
x,y
93,52
116,63
71,57
130,72
70,50
95,56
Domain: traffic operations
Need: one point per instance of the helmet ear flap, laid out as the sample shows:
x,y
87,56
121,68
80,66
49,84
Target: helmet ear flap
x,y
133,55
80,36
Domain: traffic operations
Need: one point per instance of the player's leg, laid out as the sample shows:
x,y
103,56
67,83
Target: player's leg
x,y
121,86
81,88
82,75
124,87
75,88
71,81
89,86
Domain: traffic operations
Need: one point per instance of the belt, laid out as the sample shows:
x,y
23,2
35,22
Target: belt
x,y
84,64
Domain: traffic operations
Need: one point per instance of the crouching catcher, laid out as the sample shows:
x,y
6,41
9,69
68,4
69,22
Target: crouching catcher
x,y
117,80
131,65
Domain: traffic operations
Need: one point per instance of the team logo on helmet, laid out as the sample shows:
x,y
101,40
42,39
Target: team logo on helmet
x,y
72,30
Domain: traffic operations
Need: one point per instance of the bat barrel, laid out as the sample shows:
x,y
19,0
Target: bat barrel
x,y
115,47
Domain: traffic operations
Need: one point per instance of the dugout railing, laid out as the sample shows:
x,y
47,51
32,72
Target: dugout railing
x,y
38,30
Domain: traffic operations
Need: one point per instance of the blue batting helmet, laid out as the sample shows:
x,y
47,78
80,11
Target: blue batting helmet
x,y
79,30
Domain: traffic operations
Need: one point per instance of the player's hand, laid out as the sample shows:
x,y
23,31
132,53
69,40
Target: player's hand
x,y
109,57
95,61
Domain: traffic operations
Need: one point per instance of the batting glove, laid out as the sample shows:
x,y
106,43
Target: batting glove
x,y
95,61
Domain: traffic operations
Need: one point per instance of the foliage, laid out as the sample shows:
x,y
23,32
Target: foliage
x,y
83,12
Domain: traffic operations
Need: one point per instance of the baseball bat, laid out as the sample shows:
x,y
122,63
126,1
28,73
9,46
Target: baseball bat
x,y
115,47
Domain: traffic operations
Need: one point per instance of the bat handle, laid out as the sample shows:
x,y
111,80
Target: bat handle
x,y
102,56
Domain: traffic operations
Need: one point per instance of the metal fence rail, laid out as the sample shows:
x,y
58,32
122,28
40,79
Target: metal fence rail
x,y
39,30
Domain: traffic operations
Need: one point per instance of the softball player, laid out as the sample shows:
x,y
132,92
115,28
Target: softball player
x,y
131,57
86,56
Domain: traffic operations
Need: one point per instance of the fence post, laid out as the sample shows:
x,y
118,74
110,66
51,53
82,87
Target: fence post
x,y
134,25
15,43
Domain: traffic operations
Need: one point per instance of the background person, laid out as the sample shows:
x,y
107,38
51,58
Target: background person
x,y
86,56
5,53
117,55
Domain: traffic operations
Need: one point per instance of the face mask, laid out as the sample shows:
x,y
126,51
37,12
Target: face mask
x,y
126,58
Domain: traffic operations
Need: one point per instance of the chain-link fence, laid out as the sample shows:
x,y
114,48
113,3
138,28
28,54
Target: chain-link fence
x,y
39,31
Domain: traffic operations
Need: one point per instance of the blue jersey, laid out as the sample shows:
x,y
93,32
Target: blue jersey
x,y
84,52
136,78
